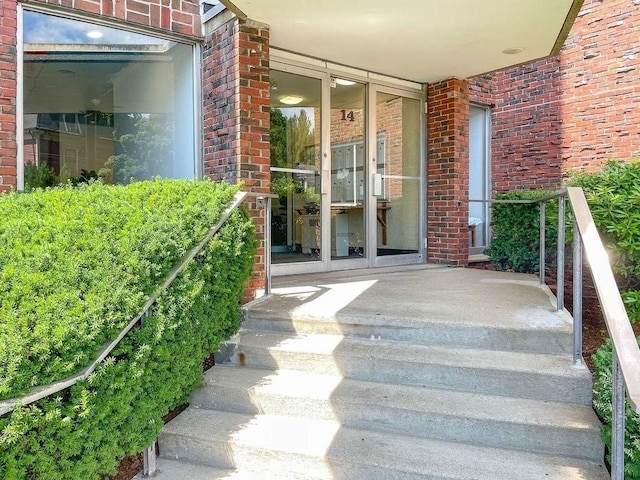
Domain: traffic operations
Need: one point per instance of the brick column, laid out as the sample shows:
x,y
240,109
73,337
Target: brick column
x,y
236,115
448,172
8,85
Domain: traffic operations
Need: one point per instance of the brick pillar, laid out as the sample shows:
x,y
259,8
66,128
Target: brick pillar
x,y
8,85
448,172
236,116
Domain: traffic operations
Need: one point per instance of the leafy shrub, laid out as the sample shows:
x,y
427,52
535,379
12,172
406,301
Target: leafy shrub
x,y
613,195
602,403
516,231
75,265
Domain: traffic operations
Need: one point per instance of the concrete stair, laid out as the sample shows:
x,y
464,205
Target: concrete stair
x,y
363,396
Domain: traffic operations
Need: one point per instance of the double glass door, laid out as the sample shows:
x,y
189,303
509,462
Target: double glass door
x,y
346,168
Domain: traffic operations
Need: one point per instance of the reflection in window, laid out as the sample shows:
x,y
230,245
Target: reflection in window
x,y
102,102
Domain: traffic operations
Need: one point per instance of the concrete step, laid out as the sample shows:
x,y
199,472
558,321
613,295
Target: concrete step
x,y
496,421
324,449
524,318
554,337
524,375
179,470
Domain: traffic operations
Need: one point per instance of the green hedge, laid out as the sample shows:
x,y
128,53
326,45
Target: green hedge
x,y
515,243
75,266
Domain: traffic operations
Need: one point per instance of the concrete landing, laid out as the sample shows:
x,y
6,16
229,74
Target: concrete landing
x,y
416,296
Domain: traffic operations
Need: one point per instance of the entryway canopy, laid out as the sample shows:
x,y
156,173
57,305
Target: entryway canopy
x,y
418,40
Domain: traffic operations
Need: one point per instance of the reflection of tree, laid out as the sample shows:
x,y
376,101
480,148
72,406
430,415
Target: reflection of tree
x,y
290,138
278,138
299,136
144,148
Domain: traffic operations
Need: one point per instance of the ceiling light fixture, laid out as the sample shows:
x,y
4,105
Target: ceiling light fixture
x,y
512,51
346,83
94,34
291,100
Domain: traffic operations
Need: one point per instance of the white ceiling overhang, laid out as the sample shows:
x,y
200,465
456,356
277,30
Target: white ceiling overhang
x,y
418,40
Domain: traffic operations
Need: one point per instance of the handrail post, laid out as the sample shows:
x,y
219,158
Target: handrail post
x,y
577,295
149,460
266,205
543,221
617,420
267,246
560,264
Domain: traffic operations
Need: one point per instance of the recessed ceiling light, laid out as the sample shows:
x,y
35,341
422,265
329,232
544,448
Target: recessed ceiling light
x,y
512,51
94,34
291,99
346,83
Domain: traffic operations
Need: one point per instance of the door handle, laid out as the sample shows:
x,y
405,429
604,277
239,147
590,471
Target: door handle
x,y
376,186
324,181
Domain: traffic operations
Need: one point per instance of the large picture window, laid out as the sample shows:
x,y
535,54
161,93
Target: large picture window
x,y
103,102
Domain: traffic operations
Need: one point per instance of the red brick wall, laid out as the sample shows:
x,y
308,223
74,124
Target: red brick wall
x,y
254,118
176,16
526,150
254,154
8,147
448,172
600,84
236,116
220,70
576,110
481,89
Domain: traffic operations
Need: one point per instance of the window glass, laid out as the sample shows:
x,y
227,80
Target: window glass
x,y
104,102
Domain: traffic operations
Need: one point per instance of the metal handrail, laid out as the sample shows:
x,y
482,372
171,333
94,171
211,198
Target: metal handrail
x,y
626,353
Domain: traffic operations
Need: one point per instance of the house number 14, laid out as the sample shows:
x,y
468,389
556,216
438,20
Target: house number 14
x,y
348,116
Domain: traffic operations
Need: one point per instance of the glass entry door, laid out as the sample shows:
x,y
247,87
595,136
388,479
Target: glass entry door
x,y
348,129
346,166
296,165
396,205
